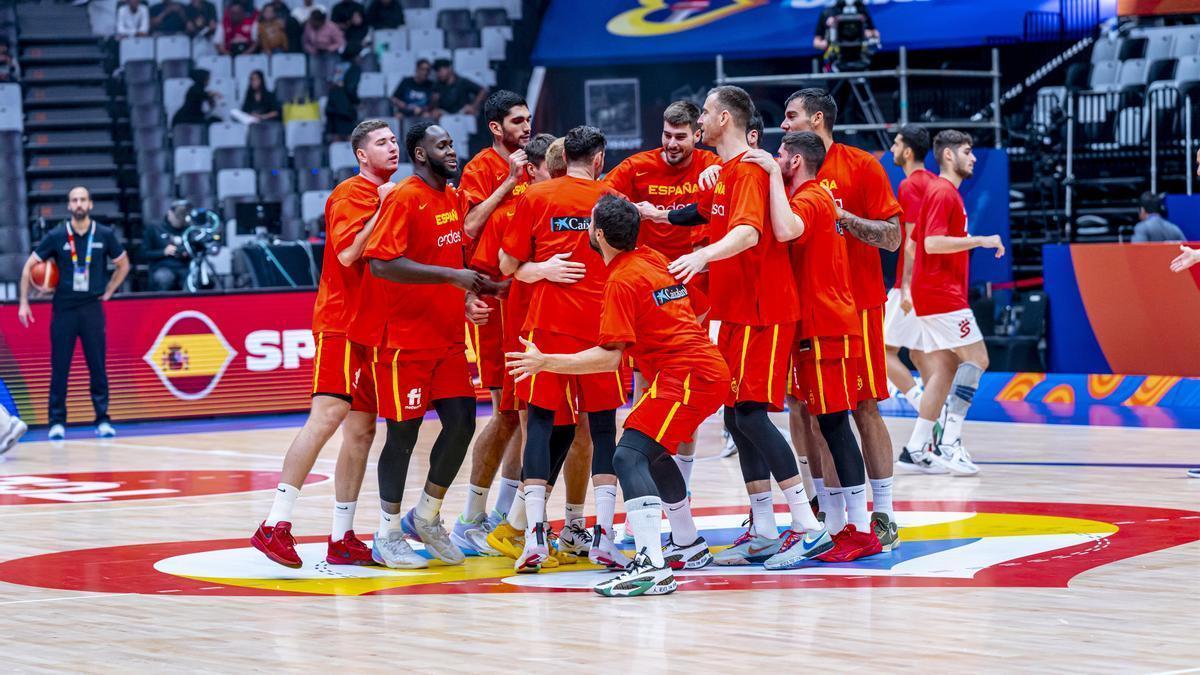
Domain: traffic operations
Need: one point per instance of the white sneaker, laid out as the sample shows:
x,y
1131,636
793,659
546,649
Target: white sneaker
x,y
730,448
395,552
16,429
690,557
921,461
957,460
604,551
105,430
535,553
57,432
575,539
641,578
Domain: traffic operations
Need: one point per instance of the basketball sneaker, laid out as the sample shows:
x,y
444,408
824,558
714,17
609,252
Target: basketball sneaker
x,y
604,551
433,534
691,557
1193,473
16,429
956,459
748,549
921,461
471,535
57,432
575,539
730,448
557,555
850,545
534,554
640,578
348,551
506,540
277,543
392,550
886,531
494,519
795,548
105,430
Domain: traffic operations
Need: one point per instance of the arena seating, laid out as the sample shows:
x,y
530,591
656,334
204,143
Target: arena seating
x,y
14,228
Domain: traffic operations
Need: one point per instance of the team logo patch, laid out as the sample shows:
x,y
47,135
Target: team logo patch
x,y
946,545
664,295
190,355
570,223
92,487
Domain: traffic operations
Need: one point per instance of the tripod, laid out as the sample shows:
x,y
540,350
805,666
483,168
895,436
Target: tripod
x,y
860,89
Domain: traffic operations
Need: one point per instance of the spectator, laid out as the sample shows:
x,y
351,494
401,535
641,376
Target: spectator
x,y
238,31
9,72
341,108
454,94
272,31
1152,226
413,97
198,102
201,18
260,104
356,30
162,249
133,20
302,12
168,18
322,36
385,14
343,12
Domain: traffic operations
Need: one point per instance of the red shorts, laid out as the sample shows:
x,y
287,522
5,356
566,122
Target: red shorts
x,y
824,373
407,382
594,392
487,343
338,370
758,358
671,410
872,365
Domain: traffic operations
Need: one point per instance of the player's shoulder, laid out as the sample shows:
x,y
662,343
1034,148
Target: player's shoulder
x,y
705,157
546,187
745,170
353,187
642,159
484,160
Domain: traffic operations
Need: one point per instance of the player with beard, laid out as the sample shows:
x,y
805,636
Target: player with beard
x,y
867,209
416,290
491,181
647,312
343,393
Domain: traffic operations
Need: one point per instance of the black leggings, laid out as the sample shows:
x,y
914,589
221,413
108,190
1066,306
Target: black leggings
x,y
546,445
847,458
644,468
603,428
762,450
445,459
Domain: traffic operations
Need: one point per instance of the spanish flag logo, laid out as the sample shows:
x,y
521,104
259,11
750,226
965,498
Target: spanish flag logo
x,y
190,355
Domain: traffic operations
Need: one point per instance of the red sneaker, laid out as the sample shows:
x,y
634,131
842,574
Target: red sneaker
x,y
850,545
277,544
348,551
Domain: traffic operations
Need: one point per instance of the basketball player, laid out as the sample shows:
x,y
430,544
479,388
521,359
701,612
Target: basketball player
x,y
869,211
552,218
490,182
647,312
753,294
957,356
900,327
416,291
341,395
1187,258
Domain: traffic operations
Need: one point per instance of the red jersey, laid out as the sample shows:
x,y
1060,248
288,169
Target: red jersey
x,y
756,286
912,191
860,186
349,207
553,217
939,282
646,176
486,256
424,225
654,316
822,267
480,177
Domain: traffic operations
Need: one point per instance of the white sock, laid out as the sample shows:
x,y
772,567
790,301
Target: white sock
x,y
644,516
881,495
819,487
922,433
606,506
389,522
835,515
810,485
803,519
914,396
343,519
685,467
574,513
535,507
281,508
508,491
683,527
476,502
856,507
953,431
517,515
762,508
428,506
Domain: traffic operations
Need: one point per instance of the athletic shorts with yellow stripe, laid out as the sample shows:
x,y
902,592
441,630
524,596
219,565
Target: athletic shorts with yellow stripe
x,y
594,392
825,373
672,408
758,358
872,365
338,367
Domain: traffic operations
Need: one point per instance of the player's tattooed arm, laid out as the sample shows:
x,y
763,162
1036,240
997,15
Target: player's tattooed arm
x,y
522,365
883,234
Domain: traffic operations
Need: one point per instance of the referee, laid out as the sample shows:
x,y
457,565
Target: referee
x,y
81,249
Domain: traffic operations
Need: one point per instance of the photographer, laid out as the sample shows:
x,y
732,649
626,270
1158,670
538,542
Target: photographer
x,y
827,24
162,249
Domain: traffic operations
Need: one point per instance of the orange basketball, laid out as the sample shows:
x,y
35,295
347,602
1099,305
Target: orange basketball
x,y
45,276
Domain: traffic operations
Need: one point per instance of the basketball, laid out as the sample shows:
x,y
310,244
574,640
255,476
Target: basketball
x,y
45,276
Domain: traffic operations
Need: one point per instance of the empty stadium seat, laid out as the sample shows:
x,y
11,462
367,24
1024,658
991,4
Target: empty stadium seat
x,y
288,89
146,116
231,158
1186,44
397,66
193,159
304,132
312,205
419,19
391,40
149,139
172,48
468,60
454,19
421,39
217,65
265,134
1104,73
173,92
156,185
137,72
494,41
375,106
1159,46
314,179
463,39
341,156
372,85
269,157
308,156
244,64
235,183
196,187
452,4
491,16
288,65
1133,73
275,184
137,49
188,134
142,93
175,68
227,135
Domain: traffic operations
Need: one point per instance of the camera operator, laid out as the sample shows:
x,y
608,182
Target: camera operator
x,y
827,23
163,249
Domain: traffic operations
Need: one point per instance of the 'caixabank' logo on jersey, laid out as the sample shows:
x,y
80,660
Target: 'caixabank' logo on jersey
x,y
570,223
944,545
190,355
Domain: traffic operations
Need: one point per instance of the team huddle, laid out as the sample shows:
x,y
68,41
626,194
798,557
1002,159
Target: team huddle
x,y
568,276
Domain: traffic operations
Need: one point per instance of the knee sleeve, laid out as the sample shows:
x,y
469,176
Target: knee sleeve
x,y
751,462
394,458
561,439
603,428
539,425
753,422
847,459
668,479
458,427
632,461
962,389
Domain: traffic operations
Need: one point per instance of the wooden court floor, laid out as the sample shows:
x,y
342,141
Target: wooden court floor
x,y
1075,551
